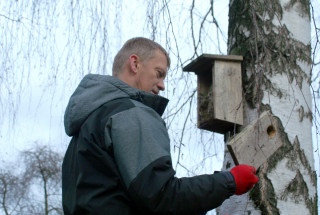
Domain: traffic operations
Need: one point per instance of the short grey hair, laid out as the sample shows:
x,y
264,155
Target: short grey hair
x,y
144,48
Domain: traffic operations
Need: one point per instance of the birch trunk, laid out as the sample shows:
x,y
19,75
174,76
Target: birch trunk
x,y
274,38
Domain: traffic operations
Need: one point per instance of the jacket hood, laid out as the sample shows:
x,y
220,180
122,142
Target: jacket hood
x,y
95,90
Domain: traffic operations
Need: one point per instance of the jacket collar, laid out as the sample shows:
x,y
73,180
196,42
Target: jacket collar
x,y
156,102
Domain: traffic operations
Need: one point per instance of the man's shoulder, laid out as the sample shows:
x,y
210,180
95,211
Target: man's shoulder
x,y
122,104
118,105
139,104
109,109
124,108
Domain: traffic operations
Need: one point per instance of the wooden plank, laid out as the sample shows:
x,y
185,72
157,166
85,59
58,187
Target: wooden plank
x,y
227,91
257,142
205,61
224,57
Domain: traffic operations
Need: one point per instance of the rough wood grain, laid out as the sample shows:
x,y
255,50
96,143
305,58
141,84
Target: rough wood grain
x,y
227,91
205,61
257,142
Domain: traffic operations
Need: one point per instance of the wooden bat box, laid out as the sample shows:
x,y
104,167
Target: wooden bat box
x,y
219,91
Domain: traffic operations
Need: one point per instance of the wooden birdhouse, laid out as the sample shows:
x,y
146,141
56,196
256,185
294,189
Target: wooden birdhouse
x,y
219,91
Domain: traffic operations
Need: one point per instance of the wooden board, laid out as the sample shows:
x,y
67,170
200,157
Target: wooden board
x,y
205,61
227,91
257,142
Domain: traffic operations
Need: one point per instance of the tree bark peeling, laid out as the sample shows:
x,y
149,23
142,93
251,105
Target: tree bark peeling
x,y
275,42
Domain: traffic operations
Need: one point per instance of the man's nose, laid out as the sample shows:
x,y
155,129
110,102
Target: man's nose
x,y
160,85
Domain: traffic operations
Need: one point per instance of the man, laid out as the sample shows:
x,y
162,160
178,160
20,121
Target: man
x,y
118,161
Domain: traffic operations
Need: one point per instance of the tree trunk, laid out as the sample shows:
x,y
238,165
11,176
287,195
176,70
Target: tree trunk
x,y
46,208
274,38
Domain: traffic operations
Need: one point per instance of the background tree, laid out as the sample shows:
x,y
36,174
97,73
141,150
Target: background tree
x,y
13,191
43,168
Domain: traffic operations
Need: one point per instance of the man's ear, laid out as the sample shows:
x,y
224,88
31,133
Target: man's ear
x,y
133,63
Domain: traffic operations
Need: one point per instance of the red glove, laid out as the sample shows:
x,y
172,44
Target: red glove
x,y
245,178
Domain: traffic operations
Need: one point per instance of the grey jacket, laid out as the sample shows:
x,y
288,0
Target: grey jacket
x,y
119,162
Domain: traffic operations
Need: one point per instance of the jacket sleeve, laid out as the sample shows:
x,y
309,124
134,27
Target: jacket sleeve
x,y
142,152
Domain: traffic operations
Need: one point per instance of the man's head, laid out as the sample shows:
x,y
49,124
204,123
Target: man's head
x,y
143,64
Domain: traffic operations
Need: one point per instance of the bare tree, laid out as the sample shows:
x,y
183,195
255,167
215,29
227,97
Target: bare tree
x,y
12,192
43,169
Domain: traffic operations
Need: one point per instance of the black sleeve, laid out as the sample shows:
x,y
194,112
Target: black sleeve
x,y
155,189
142,152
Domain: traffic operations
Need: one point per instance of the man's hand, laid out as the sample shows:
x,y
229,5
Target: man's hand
x,y
245,178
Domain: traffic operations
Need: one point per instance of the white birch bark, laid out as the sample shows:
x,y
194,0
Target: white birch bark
x,y
287,182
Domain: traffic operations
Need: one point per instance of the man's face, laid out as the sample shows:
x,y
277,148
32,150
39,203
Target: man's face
x,y
151,73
